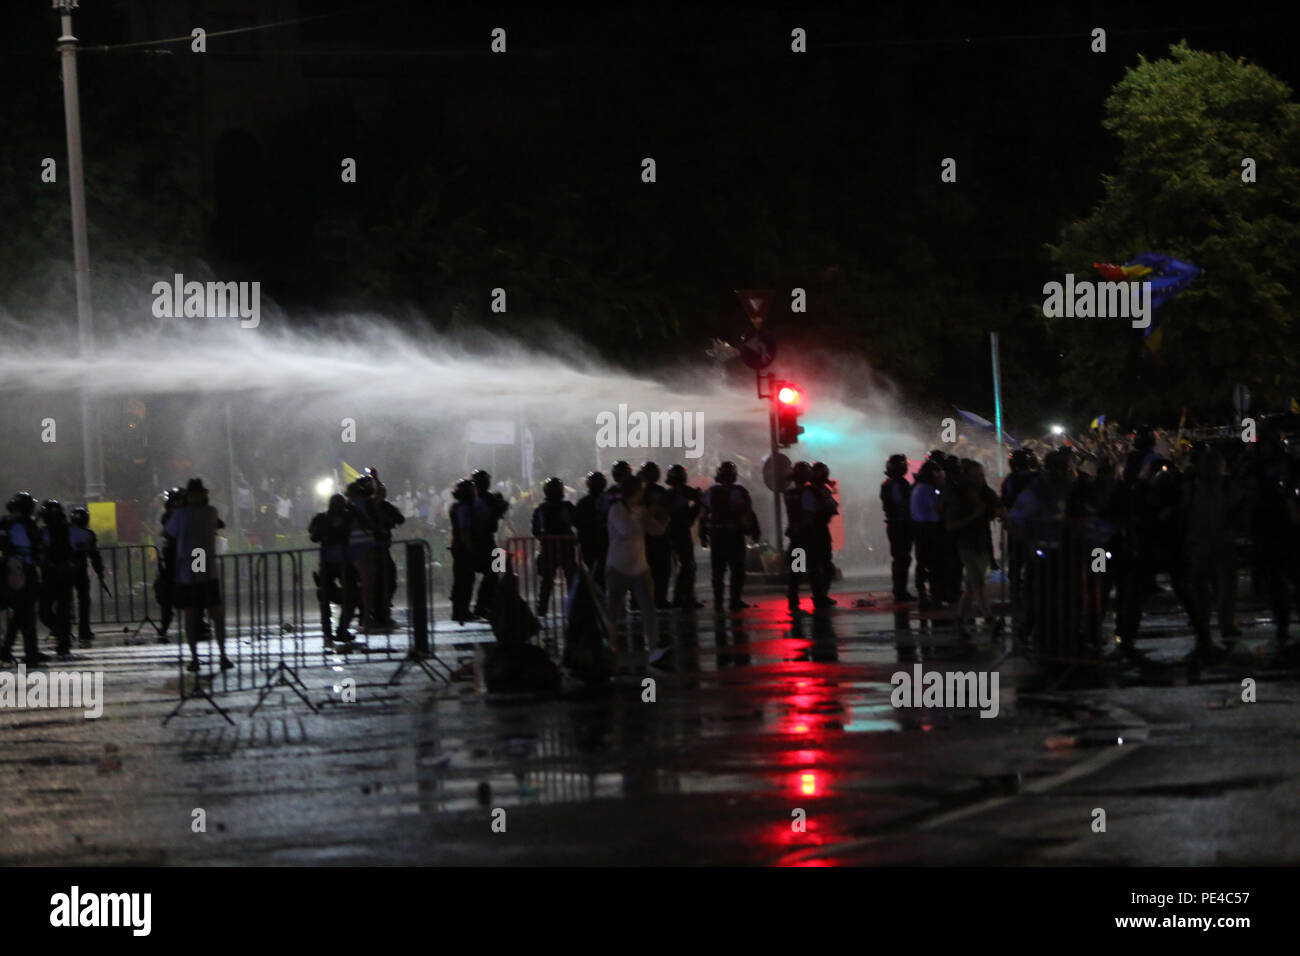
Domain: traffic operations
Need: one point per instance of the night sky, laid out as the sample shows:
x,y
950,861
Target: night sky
x,y
522,170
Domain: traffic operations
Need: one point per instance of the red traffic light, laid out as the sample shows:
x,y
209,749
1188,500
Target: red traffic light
x,y
788,395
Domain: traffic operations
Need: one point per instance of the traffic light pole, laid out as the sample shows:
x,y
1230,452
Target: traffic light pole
x,y
776,484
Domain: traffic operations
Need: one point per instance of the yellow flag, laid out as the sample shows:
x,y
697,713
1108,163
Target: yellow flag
x,y
350,474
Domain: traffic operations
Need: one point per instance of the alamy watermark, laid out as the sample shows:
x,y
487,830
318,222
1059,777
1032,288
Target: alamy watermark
x,y
208,300
938,689
1087,299
77,909
624,429
20,690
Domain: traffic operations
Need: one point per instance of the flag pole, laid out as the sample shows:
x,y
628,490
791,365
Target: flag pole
x,y
997,401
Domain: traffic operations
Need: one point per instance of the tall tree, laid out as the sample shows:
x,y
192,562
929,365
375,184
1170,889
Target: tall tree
x,y
1186,125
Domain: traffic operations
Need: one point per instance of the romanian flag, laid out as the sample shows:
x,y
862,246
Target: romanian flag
x,y
1097,422
1167,277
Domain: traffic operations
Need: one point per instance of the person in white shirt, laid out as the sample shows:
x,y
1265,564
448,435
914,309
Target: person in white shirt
x,y
626,567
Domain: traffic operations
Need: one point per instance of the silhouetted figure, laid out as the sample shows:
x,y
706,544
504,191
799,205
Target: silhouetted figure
x,y
553,525
197,585
819,507
895,501
461,519
85,557
489,508
728,515
20,542
683,510
796,530
657,546
336,578
56,576
589,523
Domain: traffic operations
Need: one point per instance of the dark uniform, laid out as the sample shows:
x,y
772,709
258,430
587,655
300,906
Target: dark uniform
x,y
489,508
85,557
683,510
553,522
819,507
386,517
336,578
658,547
20,543
728,515
461,519
895,501
589,523
796,529
56,577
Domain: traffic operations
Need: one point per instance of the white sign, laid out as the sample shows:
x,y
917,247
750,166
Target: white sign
x,y
484,432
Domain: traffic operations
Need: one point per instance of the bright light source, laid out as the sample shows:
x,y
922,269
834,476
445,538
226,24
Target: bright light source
x,y
1058,430
325,487
787,395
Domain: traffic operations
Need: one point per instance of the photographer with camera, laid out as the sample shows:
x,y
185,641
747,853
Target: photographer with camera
x,y
197,587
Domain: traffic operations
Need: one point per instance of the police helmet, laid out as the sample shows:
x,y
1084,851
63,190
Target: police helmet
x,y
800,472
481,479
726,473
820,471
553,488
52,510
464,490
620,472
596,482
896,466
23,503
650,472
80,517
676,475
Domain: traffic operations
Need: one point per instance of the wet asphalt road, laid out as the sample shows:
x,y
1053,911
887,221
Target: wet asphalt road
x,y
759,724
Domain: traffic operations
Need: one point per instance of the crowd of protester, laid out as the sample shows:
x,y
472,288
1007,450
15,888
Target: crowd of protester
x,y
1090,529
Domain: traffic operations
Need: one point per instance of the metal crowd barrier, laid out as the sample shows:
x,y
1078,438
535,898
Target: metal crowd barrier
x,y
1057,600
273,627
127,596
534,560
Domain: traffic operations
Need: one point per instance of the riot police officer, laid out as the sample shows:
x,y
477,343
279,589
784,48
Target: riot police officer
x,y
335,578
162,586
489,508
461,520
85,555
386,517
683,509
589,522
796,530
895,501
21,543
658,549
56,577
728,516
819,507
553,524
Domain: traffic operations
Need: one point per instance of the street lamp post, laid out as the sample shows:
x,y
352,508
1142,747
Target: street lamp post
x,y
91,447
